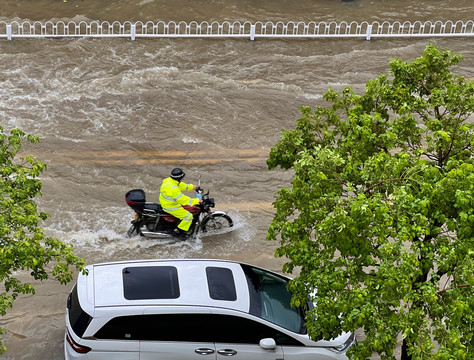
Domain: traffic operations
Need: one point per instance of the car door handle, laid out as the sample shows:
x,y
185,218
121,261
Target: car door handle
x,y
227,352
204,351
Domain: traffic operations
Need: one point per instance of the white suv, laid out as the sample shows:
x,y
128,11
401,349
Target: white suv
x,y
188,309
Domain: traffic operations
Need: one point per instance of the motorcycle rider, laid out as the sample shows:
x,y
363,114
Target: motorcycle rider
x,y
172,200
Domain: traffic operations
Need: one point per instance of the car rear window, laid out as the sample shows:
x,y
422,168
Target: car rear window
x,y
221,283
150,282
78,318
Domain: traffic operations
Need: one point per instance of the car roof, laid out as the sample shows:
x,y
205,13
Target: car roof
x,y
182,282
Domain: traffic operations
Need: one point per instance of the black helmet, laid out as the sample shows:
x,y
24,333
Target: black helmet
x,y
177,174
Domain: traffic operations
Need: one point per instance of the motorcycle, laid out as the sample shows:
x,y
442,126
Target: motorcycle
x,y
152,221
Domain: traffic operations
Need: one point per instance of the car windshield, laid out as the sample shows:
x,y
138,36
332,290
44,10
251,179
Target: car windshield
x,y
270,299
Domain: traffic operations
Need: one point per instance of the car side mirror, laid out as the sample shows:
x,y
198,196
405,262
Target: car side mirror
x,y
268,344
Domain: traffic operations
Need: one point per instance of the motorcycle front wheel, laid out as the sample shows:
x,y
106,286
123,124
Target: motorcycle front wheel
x,y
216,222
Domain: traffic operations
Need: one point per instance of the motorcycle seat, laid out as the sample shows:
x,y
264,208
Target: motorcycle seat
x,y
153,207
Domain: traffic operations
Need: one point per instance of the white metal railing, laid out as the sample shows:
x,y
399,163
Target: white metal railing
x,y
236,29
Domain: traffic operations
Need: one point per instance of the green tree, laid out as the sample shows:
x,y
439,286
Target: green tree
x,y
380,215
23,244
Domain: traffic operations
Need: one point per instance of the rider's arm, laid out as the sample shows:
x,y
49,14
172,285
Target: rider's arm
x,y
183,186
186,200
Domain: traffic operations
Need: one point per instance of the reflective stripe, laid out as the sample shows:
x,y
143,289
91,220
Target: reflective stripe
x,y
188,218
171,199
171,209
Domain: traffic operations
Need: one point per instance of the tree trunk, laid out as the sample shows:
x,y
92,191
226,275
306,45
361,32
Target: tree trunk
x,y
405,355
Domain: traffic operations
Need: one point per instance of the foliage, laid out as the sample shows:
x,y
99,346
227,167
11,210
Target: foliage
x,y
23,244
380,215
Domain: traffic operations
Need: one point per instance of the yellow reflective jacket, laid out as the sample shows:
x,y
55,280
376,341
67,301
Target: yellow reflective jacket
x,y
171,197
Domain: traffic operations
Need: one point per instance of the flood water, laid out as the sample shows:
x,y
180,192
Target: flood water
x,y
115,114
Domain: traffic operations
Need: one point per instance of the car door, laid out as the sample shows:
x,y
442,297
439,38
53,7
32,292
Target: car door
x,y
247,352
244,339
176,350
176,335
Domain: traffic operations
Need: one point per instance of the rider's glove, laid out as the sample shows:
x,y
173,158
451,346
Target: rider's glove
x,y
199,196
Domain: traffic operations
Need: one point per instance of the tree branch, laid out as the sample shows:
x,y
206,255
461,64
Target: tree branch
x,y
381,182
451,288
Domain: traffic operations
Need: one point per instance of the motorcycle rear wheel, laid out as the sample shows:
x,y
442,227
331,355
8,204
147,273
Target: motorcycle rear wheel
x,y
216,222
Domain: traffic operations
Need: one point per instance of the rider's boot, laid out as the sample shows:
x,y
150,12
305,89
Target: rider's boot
x,y
180,234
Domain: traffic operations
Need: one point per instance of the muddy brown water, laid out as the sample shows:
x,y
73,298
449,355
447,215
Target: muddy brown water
x,y
115,114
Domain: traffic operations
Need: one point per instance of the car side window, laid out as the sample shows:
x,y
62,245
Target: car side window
x,y
191,328
162,327
234,329
271,300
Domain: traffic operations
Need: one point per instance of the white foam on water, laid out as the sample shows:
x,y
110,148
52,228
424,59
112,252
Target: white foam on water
x,y
108,245
312,96
74,140
147,74
191,140
106,239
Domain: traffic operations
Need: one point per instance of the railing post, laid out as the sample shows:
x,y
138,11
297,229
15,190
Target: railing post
x,y
133,32
369,32
252,32
9,31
